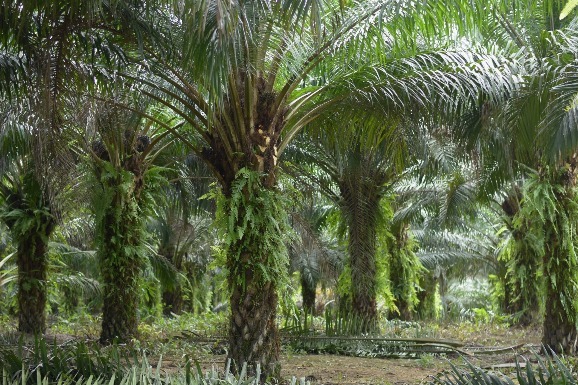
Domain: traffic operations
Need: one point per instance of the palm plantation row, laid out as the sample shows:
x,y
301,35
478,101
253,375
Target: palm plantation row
x,y
433,132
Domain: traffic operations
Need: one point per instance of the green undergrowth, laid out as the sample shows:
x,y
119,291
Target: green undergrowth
x,y
549,370
81,363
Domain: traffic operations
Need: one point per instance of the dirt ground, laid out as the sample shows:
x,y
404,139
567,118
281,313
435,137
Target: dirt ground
x,y
484,346
343,370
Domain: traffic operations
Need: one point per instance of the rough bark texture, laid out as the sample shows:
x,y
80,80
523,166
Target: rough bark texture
x,y
361,208
31,260
559,332
253,334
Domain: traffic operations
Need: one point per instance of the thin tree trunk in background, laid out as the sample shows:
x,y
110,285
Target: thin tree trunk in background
x,y
308,295
173,301
172,298
426,308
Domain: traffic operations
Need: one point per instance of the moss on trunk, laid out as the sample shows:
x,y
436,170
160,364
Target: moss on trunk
x,y
254,222
120,235
404,272
32,278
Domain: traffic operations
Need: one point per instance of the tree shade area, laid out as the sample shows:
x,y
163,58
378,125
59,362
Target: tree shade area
x,y
311,171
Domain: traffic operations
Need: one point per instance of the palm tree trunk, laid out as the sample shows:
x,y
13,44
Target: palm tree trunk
x,y
361,209
404,269
426,308
362,251
308,295
173,301
32,262
172,297
559,332
257,262
525,284
120,236
559,328
253,334
520,278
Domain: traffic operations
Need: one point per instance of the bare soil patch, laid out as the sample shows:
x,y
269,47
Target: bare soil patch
x,y
343,370
484,345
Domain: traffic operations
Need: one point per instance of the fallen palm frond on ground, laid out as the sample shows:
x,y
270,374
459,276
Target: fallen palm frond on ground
x,y
369,346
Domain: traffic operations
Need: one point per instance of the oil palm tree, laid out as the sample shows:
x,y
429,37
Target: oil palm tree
x,y
540,115
355,171
43,45
122,165
239,75
27,213
314,253
550,190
